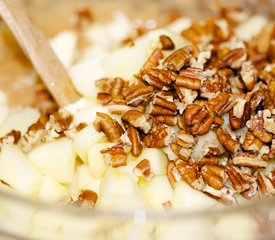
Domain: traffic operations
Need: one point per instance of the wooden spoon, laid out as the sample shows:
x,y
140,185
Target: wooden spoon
x,y
37,48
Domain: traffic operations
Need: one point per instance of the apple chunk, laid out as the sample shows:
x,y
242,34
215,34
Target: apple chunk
x,y
55,159
18,172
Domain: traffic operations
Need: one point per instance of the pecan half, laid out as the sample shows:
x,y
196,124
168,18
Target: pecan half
x,y
227,140
138,119
157,137
154,58
158,78
248,74
173,174
238,182
256,126
166,42
137,93
136,145
109,126
222,103
251,143
115,155
235,58
248,160
213,176
239,114
198,119
179,58
143,169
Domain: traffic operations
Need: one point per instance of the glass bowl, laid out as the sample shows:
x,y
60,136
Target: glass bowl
x,y
25,218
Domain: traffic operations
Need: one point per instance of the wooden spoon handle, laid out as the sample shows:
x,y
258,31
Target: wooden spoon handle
x,y
37,48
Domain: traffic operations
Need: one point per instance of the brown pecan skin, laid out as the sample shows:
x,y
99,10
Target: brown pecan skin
x,y
166,42
136,145
138,93
227,140
179,58
115,155
213,176
237,123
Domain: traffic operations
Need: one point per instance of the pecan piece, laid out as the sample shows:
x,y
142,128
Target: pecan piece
x,y
59,121
136,145
227,140
239,114
162,106
225,195
248,160
190,83
266,184
238,182
213,176
260,100
115,155
158,137
173,174
138,119
251,143
212,161
166,42
153,60
256,126
248,74
198,119
158,78
179,58
222,103
235,58
168,120
109,126
86,198
11,137
137,93
143,169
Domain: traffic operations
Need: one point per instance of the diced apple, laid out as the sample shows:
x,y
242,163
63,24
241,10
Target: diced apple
x,y
236,226
4,109
190,228
187,199
18,172
84,140
52,191
55,159
157,159
64,46
96,160
118,190
156,191
85,73
20,119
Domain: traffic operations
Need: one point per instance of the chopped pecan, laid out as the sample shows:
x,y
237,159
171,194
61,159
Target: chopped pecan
x,y
168,120
173,174
213,176
251,143
193,73
260,100
212,161
185,95
256,126
209,88
136,145
114,86
158,137
86,198
248,74
143,169
248,160
189,173
227,140
269,121
225,195
252,191
109,126
190,83
137,93
198,119
166,42
153,60
265,37
239,114
222,103
59,121
11,137
104,98
272,149
266,184
235,58
167,205
238,182
179,58
115,155
138,119
162,106
158,78
212,151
